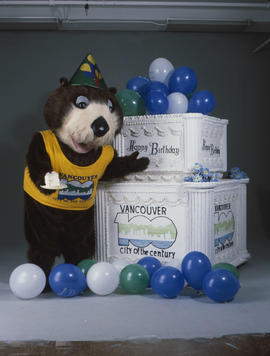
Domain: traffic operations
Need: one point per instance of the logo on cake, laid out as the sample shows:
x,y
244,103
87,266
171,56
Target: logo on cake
x,y
75,190
224,230
142,232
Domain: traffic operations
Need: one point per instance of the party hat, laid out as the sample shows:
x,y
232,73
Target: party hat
x,y
88,74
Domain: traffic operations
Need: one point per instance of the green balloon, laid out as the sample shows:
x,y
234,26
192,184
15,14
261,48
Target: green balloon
x,y
131,102
134,279
85,265
228,267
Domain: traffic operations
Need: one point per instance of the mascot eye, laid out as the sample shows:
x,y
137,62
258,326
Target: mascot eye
x,y
82,102
110,105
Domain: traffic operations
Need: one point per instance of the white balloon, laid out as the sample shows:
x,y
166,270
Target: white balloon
x,y
102,278
120,264
27,281
178,103
160,70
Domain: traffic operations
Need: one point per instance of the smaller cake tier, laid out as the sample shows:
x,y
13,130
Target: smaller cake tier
x,y
174,143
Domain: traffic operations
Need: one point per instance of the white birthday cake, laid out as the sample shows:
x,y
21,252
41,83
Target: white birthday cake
x,y
180,203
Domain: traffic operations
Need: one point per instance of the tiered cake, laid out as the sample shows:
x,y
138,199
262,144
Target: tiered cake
x,y
156,213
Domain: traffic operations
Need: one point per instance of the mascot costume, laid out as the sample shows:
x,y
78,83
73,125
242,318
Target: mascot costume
x,y
65,163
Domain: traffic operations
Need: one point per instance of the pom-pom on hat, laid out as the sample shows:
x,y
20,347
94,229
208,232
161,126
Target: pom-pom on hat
x,y
88,74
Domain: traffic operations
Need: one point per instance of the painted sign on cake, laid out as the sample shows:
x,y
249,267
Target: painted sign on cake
x,y
140,231
224,227
211,148
145,235
164,149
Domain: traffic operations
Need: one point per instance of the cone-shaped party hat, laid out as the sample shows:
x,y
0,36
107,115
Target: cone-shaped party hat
x,y
88,74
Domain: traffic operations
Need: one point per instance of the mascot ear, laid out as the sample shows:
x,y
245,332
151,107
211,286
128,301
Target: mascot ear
x,y
113,90
63,82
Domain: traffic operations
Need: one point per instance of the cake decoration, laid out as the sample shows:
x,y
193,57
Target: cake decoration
x,y
201,174
236,173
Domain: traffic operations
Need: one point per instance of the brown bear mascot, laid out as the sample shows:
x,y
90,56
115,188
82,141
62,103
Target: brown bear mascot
x,y
83,117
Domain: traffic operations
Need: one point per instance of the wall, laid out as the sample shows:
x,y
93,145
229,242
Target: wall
x,y
32,62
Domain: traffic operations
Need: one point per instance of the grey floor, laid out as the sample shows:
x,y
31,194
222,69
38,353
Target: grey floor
x,y
145,317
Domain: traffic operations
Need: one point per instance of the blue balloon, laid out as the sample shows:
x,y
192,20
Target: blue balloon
x,y
220,285
183,80
195,266
203,102
158,86
137,83
167,282
151,264
67,280
144,90
156,103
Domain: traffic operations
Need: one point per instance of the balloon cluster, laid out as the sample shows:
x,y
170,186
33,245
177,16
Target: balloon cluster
x,y
166,91
219,282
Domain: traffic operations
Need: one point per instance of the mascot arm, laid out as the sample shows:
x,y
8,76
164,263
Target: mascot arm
x,y
121,166
38,162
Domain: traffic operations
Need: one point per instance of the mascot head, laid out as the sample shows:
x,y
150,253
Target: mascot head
x,y
83,113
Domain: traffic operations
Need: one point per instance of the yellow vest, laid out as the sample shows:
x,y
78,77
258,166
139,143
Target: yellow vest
x,y
81,181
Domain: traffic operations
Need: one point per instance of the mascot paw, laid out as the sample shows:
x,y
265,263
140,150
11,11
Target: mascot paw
x,y
137,164
47,191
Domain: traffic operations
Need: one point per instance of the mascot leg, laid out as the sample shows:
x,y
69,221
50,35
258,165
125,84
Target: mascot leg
x,y
41,234
53,232
79,240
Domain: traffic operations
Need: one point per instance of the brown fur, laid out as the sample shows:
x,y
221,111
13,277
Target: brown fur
x,y
59,102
